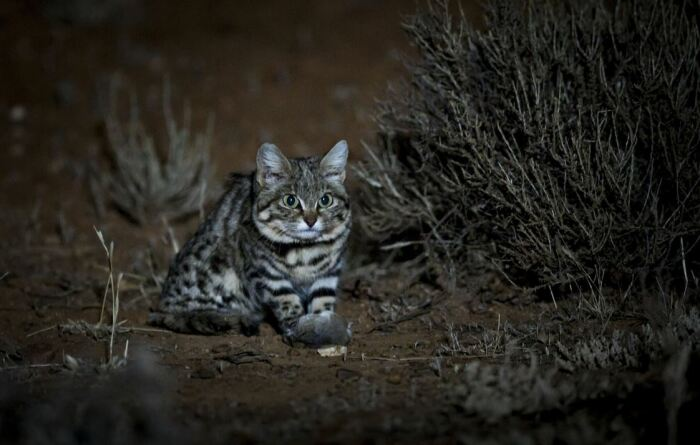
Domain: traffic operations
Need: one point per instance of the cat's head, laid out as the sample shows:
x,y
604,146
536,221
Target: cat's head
x,y
301,200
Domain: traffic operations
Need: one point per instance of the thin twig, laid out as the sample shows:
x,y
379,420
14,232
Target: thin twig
x,y
85,327
31,334
36,365
364,357
115,315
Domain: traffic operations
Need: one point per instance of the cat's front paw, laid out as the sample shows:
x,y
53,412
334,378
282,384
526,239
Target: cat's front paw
x,y
288,309
322,304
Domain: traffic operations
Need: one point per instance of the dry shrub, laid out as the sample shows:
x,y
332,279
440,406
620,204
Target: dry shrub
x,y
588,407
495,392
624,349
562,142
146,183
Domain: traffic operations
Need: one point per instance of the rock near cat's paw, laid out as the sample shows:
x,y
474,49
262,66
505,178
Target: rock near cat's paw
x,y
319,330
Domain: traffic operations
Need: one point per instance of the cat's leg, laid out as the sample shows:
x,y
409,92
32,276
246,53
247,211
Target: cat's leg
x,y
322,294
287,308
285,303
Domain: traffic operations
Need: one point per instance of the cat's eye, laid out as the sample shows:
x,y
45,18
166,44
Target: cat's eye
x,y
325,201
290,201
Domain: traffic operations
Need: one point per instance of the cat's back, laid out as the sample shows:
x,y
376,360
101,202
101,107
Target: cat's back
x,y
226,216
233,206
185,280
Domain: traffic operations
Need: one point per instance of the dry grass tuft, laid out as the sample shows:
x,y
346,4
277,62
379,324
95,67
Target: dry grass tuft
x,y
146,183
629,350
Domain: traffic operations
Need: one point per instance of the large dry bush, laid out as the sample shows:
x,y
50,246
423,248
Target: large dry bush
x,y
562,142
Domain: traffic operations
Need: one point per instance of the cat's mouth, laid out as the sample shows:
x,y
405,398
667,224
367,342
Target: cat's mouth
x,y
307,234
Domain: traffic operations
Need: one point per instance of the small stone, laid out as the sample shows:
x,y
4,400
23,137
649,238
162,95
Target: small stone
x,y
394,378
71,362
18,114
333,351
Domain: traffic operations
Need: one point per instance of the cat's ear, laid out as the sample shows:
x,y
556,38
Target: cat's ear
x,y
272,165
333,164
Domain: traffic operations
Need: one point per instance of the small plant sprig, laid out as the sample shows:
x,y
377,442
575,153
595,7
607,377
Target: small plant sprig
x,y
111,288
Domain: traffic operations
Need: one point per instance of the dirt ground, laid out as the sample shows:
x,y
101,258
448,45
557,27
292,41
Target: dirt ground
x,y
300,74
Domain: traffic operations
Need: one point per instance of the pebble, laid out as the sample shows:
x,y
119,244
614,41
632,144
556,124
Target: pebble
x,y
18,114
394,378
333,351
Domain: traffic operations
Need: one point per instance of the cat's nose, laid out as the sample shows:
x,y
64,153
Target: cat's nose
x,y
310,220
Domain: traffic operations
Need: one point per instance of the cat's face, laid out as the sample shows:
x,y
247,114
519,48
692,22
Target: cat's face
x,y
301,200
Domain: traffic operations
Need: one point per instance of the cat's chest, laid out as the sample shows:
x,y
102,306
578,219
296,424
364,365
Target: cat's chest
x,y
303,265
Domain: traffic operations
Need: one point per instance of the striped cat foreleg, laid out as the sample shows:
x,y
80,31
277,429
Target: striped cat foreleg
x,y
322,294
285,303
